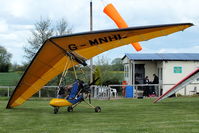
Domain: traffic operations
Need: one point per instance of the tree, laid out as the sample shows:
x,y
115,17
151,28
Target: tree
x,y
62,27
4,59
44,30
20,68
117,64
97,74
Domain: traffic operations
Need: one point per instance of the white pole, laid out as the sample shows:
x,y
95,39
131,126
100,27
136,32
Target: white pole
x,y
91,29
8,91
39,93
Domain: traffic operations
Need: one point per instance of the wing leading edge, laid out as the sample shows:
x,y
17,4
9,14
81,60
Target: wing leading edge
x,y
52,58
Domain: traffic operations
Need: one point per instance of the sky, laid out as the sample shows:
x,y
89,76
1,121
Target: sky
x,y
17,19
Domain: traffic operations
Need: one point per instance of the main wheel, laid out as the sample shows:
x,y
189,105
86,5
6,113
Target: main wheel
x,y
70,109
56,109
97,109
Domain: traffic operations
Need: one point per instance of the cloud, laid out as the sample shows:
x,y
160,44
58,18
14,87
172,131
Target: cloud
x,y
18,8
193,49
18,16
3,26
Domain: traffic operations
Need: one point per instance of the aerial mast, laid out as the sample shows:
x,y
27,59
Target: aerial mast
x,y
91,29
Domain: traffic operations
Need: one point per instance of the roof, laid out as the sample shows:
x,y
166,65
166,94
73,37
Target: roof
x,y
163,56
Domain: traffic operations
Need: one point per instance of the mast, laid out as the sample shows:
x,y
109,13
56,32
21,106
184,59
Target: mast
x,y
91,29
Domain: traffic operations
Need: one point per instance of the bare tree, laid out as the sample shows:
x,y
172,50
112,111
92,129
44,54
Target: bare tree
x,y
62,27
42,31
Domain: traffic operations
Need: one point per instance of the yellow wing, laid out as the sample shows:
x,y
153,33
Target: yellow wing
x,y
56,52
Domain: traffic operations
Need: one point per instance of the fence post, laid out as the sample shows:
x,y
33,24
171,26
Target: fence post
x,y
136,87
159,90
109,93
8,92
39,93
185,90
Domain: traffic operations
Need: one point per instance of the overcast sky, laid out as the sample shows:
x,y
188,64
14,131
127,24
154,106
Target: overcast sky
x,y
17,18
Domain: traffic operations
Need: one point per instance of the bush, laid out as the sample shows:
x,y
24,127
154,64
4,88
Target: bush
x,y
4,67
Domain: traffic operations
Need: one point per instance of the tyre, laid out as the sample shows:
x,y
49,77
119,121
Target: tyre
x,y
70,109
97,109
56,109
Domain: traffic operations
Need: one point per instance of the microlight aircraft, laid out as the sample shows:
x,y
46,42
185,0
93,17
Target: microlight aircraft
x,y
60,53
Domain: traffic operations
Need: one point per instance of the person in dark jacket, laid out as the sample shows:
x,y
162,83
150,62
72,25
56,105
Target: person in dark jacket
x,y
146,88
156,79
146,80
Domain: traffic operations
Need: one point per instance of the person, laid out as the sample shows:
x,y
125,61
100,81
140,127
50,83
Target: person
x,y
61,92
64,91
156,79
68,89
146,88
146,80
75,94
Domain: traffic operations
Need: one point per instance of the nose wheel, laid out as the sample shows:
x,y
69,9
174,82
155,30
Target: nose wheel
x,y
56,110
97,109
70,109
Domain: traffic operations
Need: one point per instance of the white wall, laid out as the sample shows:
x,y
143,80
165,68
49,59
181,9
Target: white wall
x,y
125,60
169,77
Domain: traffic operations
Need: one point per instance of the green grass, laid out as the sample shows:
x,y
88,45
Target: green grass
x,y
9,79
174,115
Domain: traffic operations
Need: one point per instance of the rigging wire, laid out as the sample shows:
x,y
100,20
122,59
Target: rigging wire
x,y
82,72
74,68
64,72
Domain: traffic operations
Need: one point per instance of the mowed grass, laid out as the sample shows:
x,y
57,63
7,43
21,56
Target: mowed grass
x,y
9,79
174,115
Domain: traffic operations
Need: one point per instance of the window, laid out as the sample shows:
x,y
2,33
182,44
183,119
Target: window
x,y
126,69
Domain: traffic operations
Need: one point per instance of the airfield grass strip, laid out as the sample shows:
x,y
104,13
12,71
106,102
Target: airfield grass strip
x,y
173,115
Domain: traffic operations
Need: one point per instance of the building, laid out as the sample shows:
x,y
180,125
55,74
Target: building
x,y
169,67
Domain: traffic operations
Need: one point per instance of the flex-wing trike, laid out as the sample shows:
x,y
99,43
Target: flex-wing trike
x,y
78,93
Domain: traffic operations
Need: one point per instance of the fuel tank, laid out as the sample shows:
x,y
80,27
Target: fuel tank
x,y
57,102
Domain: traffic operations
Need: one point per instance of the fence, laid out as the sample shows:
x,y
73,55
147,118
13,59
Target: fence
x,y
110,91
46,91
97,92
159,89
103,92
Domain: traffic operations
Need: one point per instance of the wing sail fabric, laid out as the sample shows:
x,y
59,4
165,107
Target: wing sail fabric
x,y
181,84
52,57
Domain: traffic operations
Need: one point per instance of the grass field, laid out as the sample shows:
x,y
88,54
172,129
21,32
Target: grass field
x,y
176,115
9,79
